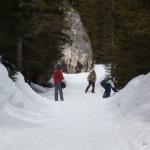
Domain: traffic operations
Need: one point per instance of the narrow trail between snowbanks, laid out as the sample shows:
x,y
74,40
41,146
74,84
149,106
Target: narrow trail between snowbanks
x,y
84,121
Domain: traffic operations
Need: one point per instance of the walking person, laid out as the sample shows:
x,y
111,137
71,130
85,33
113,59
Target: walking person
x,y
58,77
91,79
108,84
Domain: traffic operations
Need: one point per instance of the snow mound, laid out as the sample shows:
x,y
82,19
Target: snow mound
x,y
134,99
38,88
18,101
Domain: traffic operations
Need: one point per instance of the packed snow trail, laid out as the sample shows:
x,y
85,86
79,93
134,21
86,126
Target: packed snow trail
x,y
83,121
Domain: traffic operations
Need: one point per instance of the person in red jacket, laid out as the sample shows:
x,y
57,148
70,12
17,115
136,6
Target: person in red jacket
x,y
58,77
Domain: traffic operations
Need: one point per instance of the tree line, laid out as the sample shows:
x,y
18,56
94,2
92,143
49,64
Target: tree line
x,y
119,31
31,36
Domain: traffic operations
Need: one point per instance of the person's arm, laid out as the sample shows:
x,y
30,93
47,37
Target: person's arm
x,y
95,77
114,89
61,75
111,83
113,86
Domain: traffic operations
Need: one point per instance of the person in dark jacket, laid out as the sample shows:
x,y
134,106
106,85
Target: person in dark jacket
x,y
91,79
108,84
58,77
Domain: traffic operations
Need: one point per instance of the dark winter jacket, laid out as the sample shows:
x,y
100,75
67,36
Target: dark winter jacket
x,y
108,82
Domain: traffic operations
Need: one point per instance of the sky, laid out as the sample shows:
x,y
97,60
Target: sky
x,y
83,121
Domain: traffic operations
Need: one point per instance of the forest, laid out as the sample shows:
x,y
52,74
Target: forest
x,y
31,36
119,31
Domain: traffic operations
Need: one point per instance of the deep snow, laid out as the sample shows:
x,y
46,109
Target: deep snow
x,y
29,121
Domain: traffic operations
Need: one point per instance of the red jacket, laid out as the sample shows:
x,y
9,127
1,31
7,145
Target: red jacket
x,y
58,76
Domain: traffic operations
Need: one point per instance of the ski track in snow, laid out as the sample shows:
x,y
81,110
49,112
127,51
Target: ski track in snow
x,y
81,122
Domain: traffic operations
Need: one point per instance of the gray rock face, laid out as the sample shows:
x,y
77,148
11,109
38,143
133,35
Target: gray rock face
x,y
78,55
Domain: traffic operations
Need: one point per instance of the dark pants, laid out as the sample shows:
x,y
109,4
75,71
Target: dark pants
x,y
93,86
58,89
107,88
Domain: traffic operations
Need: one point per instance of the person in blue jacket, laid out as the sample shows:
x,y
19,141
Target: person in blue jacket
x,y
108,83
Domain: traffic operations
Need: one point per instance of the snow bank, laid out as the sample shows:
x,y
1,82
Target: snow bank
x,y
18,101
38,88
134,99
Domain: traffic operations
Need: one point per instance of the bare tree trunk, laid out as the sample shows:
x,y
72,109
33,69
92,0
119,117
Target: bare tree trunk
x,y
19,53
112,23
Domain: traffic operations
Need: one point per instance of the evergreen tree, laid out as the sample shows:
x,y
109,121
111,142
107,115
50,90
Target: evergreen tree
x,y
132,36
119,31
31,35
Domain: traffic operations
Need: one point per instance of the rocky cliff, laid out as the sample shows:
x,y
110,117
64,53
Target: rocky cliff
x,y
78,55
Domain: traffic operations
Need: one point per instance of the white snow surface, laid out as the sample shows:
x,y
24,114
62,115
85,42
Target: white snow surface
x,y
83,121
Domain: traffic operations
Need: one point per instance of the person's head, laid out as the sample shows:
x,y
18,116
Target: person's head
x,y
58,66
92,71
108,76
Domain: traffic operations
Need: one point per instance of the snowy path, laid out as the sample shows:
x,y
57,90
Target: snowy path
x,y
81,122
